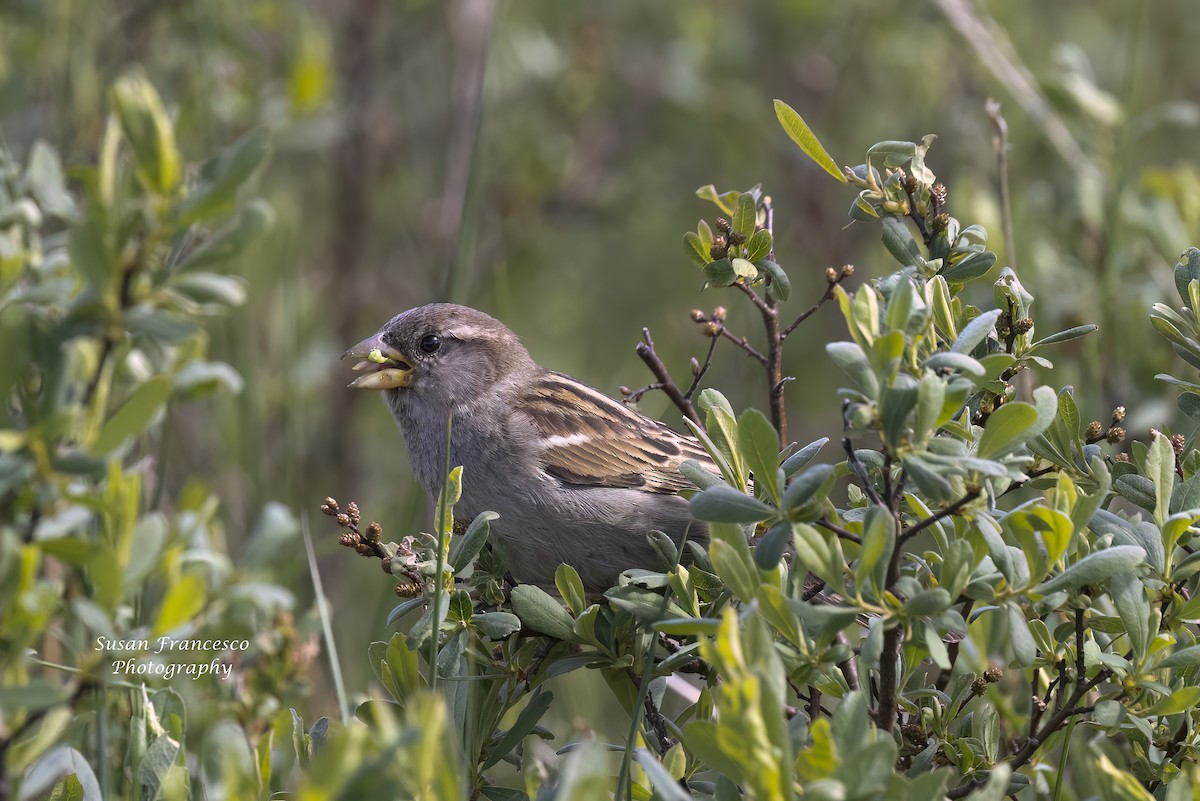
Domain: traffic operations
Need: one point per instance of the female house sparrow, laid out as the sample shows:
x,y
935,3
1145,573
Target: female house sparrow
x,y
575,476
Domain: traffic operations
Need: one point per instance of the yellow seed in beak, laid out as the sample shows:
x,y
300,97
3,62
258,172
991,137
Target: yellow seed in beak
x,y
377,357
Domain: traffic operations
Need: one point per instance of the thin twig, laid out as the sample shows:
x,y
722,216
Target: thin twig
x,y
849,536
744,344
811,310
645,351
939,515
712,347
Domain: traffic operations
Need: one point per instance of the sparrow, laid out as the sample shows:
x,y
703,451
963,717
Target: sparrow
x,y
576,477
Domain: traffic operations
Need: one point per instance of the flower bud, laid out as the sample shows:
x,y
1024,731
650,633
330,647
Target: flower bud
x,y
347,539
939,193
373,532
993,675
831,275
343,519
697,316
624,390
723,225
1118,414
1094,431
1177,443
847,270
352,510
695,366
737,238
1023,326
1121,457
331,503
719,314
712,330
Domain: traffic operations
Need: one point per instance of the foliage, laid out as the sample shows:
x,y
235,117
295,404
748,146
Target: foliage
x,y
105,578
979,602
1094,227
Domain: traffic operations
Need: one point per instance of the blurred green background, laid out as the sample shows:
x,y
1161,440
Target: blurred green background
x,y
538,160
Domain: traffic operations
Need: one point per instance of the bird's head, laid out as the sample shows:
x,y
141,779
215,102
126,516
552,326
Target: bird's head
x,y
441,352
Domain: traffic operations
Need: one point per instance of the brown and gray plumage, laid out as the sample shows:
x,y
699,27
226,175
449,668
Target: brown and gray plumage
x,y
575,476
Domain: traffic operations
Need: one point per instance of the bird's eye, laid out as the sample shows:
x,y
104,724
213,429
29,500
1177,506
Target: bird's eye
x,y
431,343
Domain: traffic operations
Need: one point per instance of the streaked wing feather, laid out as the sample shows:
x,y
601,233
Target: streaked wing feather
x,y
590,439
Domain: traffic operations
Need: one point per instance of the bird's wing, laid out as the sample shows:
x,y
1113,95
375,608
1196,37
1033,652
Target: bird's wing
x,y
590,439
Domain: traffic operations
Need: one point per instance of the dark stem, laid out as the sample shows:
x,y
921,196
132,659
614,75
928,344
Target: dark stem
x,y
1060,717
774,360
836,529
941,514
916,218
645,351
811,310
110,342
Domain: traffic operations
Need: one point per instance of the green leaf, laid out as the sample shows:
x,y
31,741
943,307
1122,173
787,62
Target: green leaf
x,y
254,219
730,554
722,503
800,133
879,540
1186,271
1096,568
529,717
969,268
1066,336
570,587
956,361
772,546
899,241
780,288
695,249
720,273
801,458
203,287
134,415
148,129
975,332
1160,468
849,356
665,785
45,176
221,177
542,613
1007,428
497,625
895,153
759,443
1179,701
1129,596
1184,657
183,602
149,537
758,246
808,491
465,548
745,215
90,254
725,201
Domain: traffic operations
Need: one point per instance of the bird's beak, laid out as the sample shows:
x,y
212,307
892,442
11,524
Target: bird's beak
x,y
382,366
